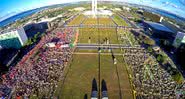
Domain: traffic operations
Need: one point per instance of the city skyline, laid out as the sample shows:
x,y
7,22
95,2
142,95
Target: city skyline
x,y
14,7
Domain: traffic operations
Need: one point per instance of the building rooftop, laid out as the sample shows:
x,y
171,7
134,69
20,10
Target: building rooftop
x,y
8,30
158,26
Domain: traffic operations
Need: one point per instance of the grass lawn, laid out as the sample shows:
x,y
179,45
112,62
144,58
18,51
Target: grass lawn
x,y
105,21
90,21
77,20
82,71
96,34
110,74
119,21
84,68
98,21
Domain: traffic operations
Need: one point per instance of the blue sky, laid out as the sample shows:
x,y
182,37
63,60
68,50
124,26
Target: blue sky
x,y
12,7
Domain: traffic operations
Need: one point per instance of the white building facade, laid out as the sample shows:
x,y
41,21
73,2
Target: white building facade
x,y
13,39
179,39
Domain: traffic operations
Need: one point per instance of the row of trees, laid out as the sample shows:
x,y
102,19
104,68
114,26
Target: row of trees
x,y
33,40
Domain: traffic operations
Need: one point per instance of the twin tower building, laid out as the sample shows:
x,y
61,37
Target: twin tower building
x,y
94,7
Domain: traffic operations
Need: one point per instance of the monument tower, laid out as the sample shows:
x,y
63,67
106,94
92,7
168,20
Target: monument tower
x,y
94,7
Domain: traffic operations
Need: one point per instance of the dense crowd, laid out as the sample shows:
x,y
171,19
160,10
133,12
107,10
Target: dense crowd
x,y
38,74
126,37
150,80
123,38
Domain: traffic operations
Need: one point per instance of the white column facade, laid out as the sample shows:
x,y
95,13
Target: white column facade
x,y
22,36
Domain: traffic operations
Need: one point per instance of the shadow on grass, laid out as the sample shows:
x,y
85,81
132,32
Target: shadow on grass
x,y
94,93
104,89
85,96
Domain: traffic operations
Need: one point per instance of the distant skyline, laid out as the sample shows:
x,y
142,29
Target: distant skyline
x,y
9,8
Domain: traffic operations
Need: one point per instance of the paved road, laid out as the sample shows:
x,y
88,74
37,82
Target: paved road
x,y
84,53
96,26
112,46
71,18
132,24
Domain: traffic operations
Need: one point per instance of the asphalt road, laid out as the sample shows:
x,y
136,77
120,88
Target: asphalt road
x,y
111,46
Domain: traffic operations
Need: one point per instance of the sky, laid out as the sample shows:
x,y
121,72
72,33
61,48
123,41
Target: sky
x,y
12,7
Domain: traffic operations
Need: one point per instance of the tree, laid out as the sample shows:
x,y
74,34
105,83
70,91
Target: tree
x,y
29,42
178,77
161,58
149,41
150,50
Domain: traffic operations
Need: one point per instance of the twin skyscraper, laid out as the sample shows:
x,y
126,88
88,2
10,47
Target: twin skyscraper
x,y
94,7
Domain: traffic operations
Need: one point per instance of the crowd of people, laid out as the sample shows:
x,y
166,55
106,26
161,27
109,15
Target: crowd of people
x,y
40,71
124,40
126,37
149,79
